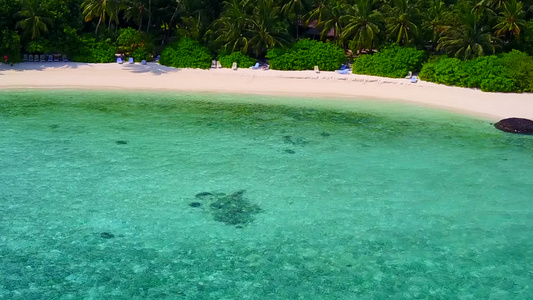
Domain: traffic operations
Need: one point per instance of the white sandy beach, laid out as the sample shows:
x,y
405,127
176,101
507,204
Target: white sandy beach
x,y
327,85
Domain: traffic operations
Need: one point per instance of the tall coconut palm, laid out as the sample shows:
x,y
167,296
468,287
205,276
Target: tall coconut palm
x,y
328,16
468,38
99,9
435,18
34,23
511,19
401,21
266,29
230,28
362,25
294,9
136,10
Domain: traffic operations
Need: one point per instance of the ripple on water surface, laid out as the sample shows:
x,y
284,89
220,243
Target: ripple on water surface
x,y
113,195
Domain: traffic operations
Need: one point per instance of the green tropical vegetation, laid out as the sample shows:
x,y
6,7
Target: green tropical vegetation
x,y
96,30
390,61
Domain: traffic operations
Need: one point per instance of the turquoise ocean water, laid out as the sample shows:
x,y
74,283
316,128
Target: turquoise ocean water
x,y
112,195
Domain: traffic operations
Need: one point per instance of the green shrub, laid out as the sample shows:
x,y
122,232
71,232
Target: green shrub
x,y
91,50
305,55
186,53
509,72
391,61
242,60
10,46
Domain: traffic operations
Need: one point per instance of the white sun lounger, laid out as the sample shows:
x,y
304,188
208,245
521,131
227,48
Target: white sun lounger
x,y
30,58
36,58
25,57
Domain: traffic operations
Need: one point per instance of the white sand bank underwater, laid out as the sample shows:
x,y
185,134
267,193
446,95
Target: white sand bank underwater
x,y
327,85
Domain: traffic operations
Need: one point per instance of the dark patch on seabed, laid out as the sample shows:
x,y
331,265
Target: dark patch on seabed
x,y
233,209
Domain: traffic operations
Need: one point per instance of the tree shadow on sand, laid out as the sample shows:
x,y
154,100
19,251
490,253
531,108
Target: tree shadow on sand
x,y
152,68
41,66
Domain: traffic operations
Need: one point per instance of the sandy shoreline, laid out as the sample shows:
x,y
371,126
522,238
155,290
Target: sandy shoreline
x,y
327,85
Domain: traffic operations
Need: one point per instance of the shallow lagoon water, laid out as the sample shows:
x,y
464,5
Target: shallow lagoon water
x,y
359,200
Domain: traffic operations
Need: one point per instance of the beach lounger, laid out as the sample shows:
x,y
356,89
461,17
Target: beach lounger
x,y
50,58
219,65
130,60
65,59
36,58
43,59
256,66
414,79
234,66
25,57
317,70
213,64
343,71
143,62
119,61
157,58
30,58
409,75
56,58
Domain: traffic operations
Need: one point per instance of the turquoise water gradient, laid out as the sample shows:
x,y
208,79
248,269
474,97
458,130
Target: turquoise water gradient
x,y
358,200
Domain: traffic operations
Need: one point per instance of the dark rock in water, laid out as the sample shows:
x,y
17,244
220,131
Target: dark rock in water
x,y
54,126
324,134
107,235
515,125
287,139
234,209
203,194
195,204
121,142
290,151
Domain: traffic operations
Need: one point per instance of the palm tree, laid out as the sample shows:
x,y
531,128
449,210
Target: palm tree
x,y
266,29
511,20
230,28
362,25
100,9
401,19
135,10
328,14
294,9
469,38
33,23
436,16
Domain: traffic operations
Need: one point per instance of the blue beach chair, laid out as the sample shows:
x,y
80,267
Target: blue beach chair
x,y
119,61
256,66
143,62
414,79
343,70
131,60
50,58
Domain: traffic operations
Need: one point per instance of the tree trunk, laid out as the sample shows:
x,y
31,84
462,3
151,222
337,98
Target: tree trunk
x,y
149,15
98,25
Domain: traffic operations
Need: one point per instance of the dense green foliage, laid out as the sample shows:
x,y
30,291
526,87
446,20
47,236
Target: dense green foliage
x,y
305,55
93,51
463,29
186,53
391,61
242,60
509,72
